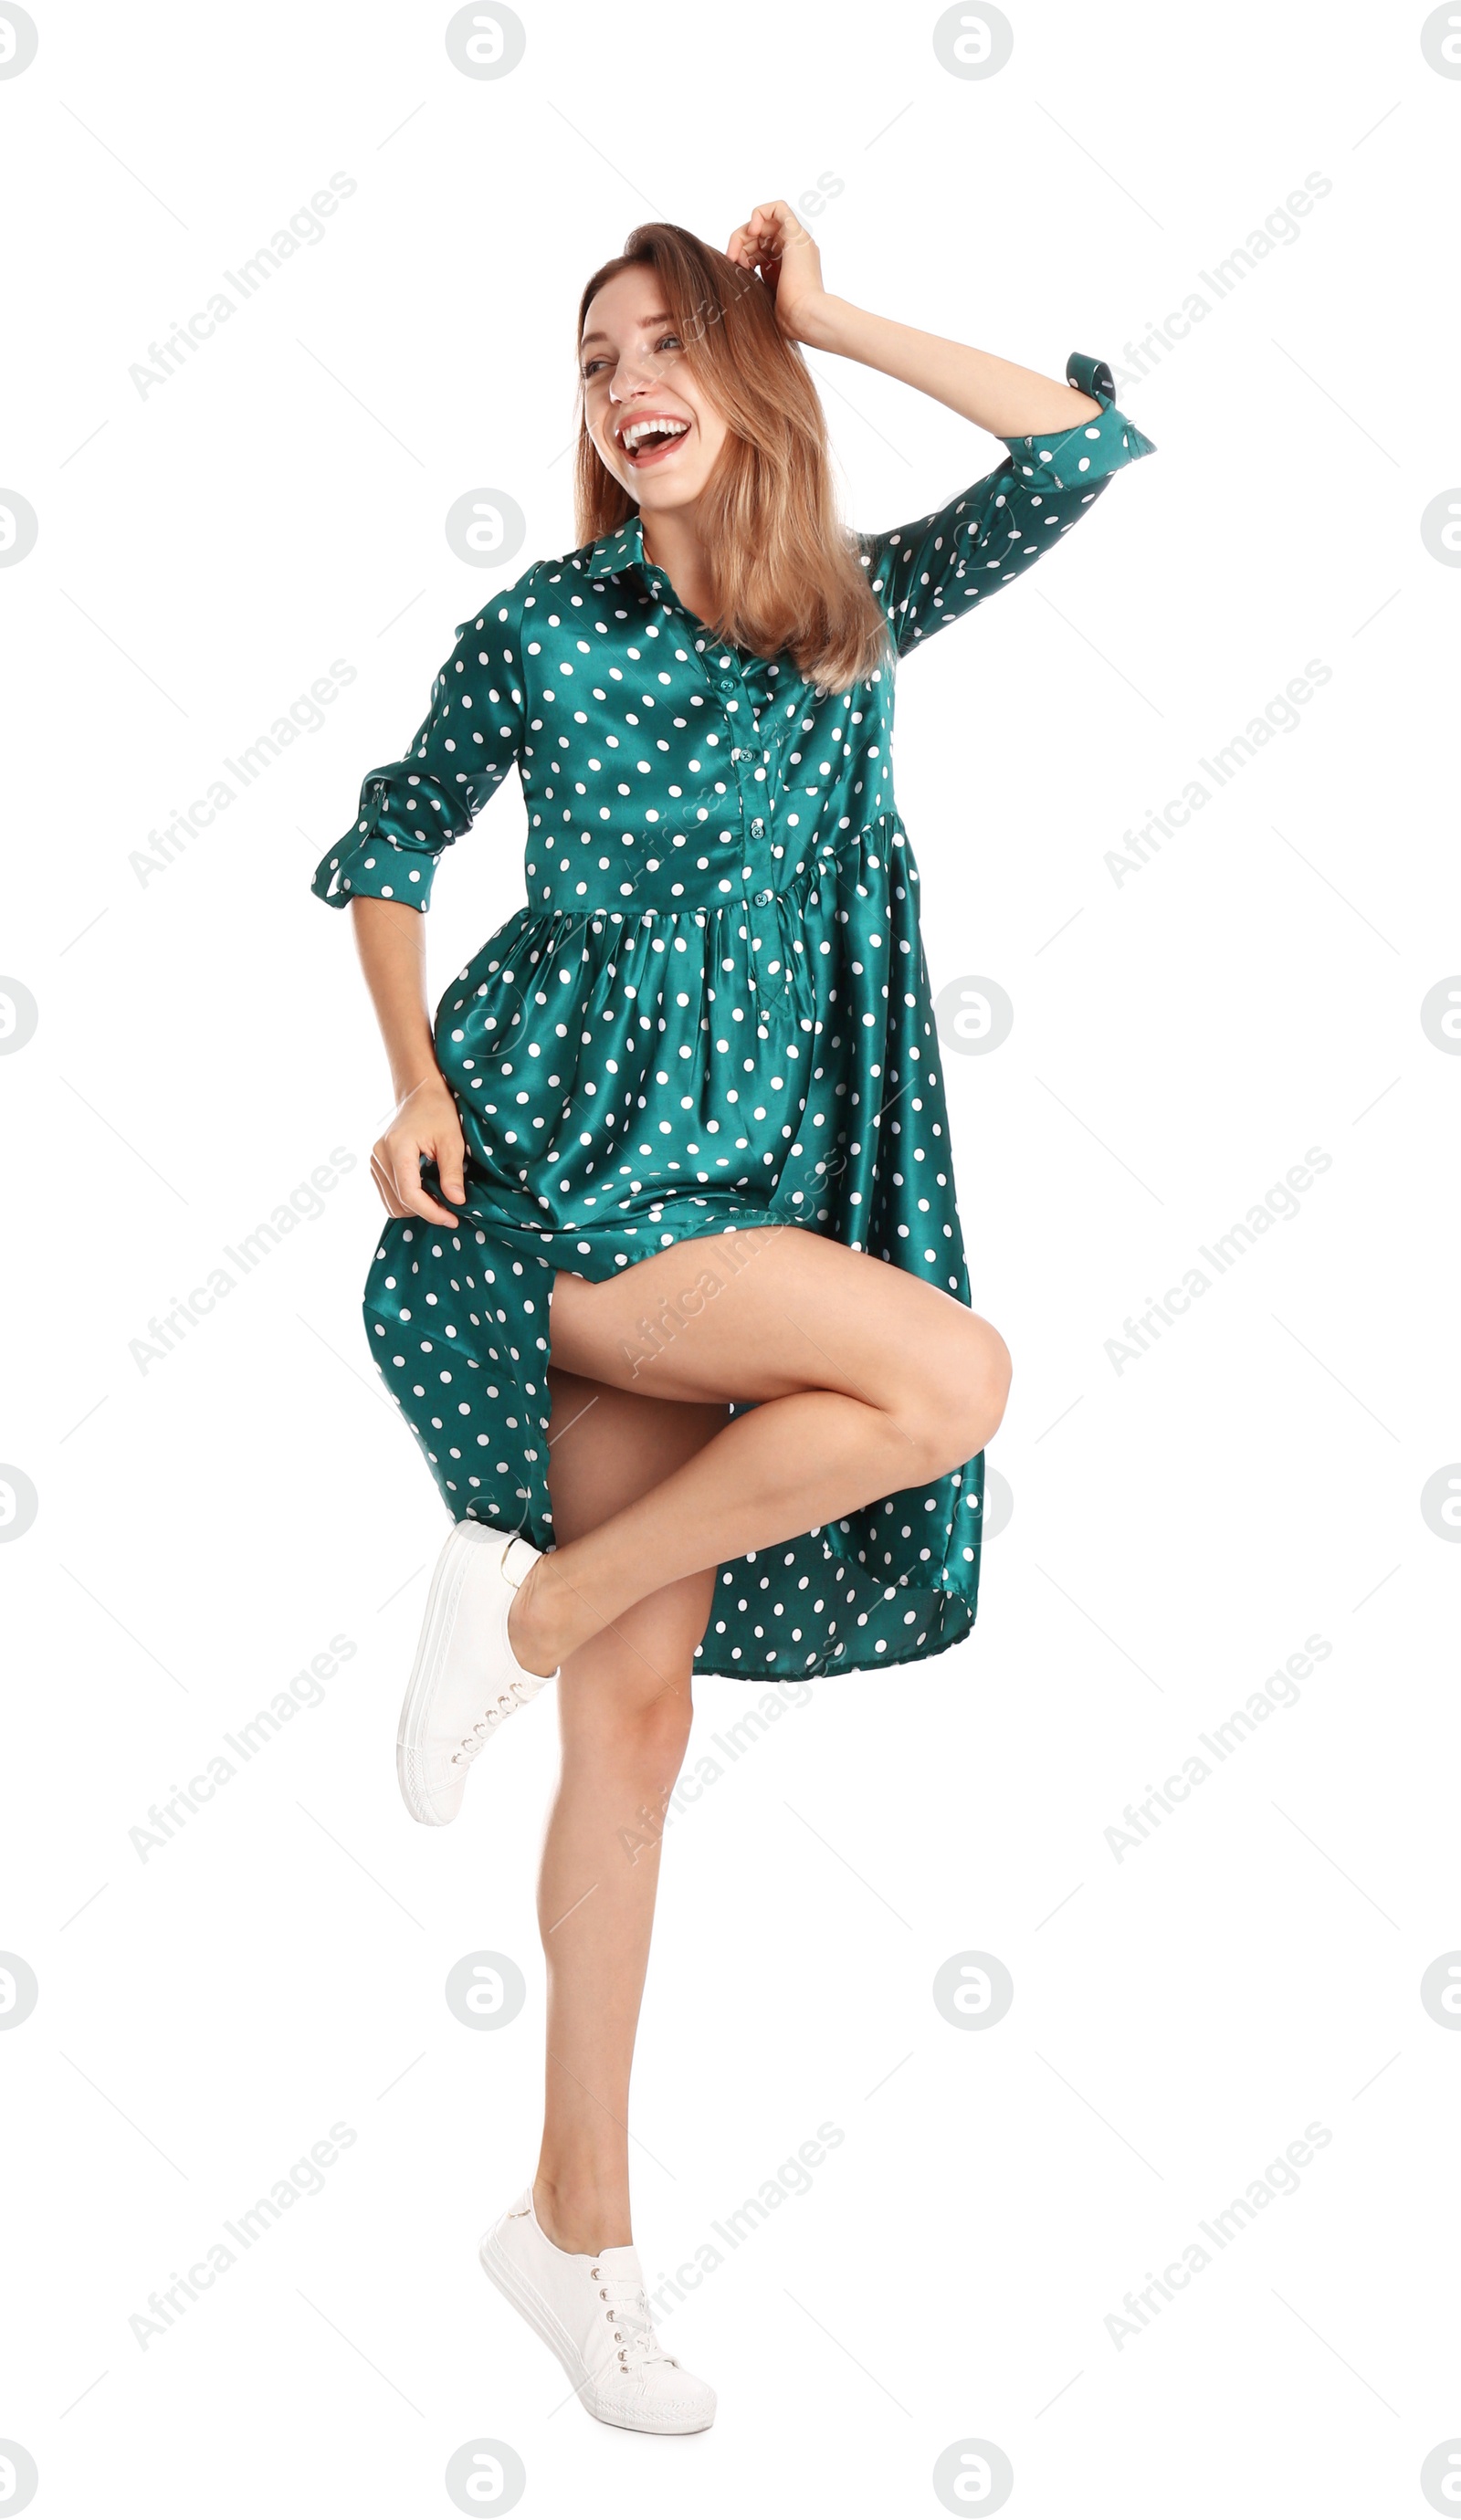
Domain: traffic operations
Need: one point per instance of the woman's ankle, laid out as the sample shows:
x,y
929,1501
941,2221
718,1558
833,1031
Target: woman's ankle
x,y
580,2216
530,1628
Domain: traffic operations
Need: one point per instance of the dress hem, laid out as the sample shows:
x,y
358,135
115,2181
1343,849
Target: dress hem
x,y
840,1670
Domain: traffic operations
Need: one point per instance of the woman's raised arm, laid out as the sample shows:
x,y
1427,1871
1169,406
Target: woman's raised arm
x,y
997,394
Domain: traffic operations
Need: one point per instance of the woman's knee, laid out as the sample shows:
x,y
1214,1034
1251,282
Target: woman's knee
x,y
626,1696
628,1740
956,1409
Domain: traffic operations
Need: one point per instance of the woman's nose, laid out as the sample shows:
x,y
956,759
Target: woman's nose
x,y
631,373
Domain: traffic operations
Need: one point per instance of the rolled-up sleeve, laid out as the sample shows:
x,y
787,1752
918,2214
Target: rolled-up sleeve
x,y
412,809
937,568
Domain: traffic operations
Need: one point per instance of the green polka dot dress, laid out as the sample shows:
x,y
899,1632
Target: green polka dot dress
x,y
712,1011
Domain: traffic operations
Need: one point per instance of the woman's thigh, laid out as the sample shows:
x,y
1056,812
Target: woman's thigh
x,y
768,1311
607,1448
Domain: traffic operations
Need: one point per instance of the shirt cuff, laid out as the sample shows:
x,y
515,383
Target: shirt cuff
x,y
1069,459
366,864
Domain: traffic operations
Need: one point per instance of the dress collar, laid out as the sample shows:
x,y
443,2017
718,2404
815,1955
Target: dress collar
x,y
624,549
621,549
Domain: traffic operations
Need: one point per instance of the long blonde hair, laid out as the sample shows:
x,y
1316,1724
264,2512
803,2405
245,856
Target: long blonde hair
x,y
784,571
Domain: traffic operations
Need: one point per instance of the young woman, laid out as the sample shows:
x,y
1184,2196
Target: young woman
x,y
684,1107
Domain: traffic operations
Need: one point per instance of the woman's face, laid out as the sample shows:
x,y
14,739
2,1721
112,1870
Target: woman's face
x,y
635,372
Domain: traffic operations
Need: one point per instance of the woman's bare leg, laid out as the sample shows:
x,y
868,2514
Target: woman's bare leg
x,y
623,1702
869,1382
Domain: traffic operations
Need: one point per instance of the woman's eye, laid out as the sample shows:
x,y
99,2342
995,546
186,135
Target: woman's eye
x,y
667,341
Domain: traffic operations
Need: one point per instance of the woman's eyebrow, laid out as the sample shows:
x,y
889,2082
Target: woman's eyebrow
x,y
645,321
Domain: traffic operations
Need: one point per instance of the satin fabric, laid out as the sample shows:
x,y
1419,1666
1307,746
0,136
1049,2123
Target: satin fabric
x,y
712,1012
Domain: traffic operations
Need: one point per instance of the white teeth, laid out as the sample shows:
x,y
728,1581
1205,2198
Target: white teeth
x,y
650,427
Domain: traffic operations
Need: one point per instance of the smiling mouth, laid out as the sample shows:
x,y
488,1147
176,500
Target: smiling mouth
x,y
654,445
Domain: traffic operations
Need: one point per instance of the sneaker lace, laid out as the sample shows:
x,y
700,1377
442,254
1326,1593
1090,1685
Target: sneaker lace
x,y
636,2345
517,1693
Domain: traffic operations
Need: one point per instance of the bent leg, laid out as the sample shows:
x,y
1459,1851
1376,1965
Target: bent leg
x,y
625,1712
868,1381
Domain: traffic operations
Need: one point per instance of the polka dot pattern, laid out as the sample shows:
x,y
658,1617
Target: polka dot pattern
x,y
712,1011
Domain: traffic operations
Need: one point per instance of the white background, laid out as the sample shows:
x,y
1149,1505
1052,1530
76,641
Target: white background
x,y
1179,1528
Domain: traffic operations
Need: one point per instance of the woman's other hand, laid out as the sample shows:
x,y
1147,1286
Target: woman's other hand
x,y
423,1123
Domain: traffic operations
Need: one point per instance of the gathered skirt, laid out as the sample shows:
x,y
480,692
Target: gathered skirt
x,y
628,1081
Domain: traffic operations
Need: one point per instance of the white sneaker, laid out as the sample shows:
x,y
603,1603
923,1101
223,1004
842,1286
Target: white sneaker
x,y
466,1680
594,2314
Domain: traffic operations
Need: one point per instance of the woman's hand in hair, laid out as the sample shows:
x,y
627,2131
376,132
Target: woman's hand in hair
x,y
775,241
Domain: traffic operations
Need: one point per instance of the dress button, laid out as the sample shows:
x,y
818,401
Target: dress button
x,y
761,900
757,828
